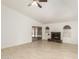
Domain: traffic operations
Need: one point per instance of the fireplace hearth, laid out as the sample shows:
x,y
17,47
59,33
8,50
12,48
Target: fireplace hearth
x,y
56,37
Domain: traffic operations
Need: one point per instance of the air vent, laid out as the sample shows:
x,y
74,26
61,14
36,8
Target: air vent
x,y
42,0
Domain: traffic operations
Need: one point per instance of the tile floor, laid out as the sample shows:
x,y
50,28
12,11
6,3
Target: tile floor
x,y
41,50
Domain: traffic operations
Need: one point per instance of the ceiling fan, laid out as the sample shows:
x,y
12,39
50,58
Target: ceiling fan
x,y
36,3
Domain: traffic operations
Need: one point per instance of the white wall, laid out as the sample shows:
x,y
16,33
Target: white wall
x,y
16,28
58,27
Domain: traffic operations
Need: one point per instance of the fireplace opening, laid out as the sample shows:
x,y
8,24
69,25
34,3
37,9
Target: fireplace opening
x,y
56,37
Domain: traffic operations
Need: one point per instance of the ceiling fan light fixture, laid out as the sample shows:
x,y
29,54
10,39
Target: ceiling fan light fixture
x,y
34,3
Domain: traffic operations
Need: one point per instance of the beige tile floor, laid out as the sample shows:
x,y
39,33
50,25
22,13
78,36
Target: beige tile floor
x,y
41,50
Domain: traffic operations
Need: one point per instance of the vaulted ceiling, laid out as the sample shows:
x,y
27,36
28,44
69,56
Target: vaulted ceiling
x,y
52,11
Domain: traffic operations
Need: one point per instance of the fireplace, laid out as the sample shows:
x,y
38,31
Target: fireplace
x,y
56,37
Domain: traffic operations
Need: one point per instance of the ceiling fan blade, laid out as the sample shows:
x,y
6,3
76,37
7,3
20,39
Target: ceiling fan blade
x,y
39,5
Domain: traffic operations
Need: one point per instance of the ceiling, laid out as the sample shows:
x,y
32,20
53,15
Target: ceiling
x,y
52,11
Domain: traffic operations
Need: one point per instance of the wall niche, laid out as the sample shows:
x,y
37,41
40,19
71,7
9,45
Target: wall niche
x,y
67,31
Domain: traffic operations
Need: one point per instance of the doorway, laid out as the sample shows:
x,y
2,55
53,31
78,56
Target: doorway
x,y
36,33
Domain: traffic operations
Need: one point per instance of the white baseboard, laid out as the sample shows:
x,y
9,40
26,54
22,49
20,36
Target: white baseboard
x,y
12,45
